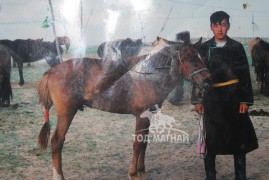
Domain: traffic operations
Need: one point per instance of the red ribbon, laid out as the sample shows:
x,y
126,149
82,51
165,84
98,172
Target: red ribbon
x,y
46,115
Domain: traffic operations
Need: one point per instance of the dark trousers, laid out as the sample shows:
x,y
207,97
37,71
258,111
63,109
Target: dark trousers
x,y
239,167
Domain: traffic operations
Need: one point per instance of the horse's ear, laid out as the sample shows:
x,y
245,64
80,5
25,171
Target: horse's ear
x,y
139,41
158,38
128,40
199,42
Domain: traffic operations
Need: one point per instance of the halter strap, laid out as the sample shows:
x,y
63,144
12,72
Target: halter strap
x,y
196,72
190,75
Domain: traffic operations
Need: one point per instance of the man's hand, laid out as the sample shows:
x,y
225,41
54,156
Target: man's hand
x,y
243,108
199,108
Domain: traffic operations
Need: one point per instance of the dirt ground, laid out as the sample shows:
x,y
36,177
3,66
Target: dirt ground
x,y
99,145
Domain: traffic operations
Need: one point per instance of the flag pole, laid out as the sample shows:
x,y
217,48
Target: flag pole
x,y
54,32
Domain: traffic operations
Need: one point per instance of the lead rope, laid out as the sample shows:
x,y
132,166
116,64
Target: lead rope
x,y
201,145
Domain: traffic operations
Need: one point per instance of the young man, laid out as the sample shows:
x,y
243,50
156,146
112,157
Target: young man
x,y
228,127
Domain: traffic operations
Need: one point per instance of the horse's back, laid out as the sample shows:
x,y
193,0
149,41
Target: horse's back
x,y
71,77
74,65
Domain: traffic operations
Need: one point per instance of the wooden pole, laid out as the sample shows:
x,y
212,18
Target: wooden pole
x,y
81,18
54,32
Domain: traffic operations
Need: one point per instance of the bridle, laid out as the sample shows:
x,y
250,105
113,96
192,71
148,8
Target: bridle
x,y
185,70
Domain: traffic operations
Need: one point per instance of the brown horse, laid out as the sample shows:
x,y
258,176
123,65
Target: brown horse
x,y
132,89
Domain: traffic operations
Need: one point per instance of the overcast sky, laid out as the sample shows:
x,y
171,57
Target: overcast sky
x,y
104,20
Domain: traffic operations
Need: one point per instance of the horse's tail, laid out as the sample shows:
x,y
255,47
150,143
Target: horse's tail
x,y
5,68
45,100
5,87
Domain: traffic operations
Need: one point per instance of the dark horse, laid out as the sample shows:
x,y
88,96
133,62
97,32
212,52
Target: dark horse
x,y
29,50
119,49
260,59
146,82
5,67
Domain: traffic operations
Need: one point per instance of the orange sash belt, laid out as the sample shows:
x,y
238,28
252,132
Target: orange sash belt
x,y
233,81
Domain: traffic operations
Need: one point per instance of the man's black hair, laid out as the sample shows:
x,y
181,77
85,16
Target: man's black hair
x,y
218,16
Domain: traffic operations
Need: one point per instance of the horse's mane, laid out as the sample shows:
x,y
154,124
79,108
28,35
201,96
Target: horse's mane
x,y
156,60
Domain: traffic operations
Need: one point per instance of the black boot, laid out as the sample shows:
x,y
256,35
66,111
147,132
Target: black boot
x,y
240,166
210,169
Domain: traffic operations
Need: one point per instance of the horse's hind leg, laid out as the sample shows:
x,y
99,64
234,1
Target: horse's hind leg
x,y
262,79
65,116
20,66
139,146
266,83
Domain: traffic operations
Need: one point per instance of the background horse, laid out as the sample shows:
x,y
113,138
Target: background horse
x,y
63,40
260,59
28,50
72,85
5,67
119,49
38,40
251,43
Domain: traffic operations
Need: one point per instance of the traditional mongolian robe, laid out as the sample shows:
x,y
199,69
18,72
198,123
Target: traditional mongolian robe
x,y
227,131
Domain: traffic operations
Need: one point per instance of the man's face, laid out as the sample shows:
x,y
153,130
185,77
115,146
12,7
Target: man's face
x,y
220,30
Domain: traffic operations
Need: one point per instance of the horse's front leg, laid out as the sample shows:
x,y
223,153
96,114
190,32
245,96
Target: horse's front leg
x,y
139,146
20,66
141,159
57,141
266,83
262,79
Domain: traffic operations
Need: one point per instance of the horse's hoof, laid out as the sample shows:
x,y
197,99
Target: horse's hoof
x,y
135,177
132,171
143,175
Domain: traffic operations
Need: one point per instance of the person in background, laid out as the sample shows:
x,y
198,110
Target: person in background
x,y
228,128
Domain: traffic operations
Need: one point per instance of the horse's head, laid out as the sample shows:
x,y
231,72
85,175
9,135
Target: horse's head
x,y
191,65
130,47
51,54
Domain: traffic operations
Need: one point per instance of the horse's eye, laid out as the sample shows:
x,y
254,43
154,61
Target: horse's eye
x,y
193,58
